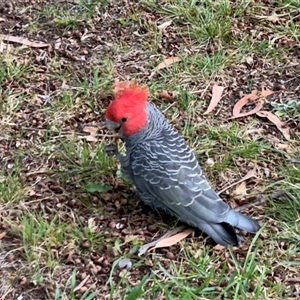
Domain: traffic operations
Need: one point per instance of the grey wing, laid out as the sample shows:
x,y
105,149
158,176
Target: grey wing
x,y
167,174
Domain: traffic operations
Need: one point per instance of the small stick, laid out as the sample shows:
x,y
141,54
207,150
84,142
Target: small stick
x,y
263,199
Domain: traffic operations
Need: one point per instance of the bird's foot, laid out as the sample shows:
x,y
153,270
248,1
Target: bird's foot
x,y
111,149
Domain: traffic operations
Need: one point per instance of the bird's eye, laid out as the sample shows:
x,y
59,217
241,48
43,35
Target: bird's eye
x,y
123,120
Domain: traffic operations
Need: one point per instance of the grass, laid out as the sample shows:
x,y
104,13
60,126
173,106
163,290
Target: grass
x,y
69,290
68,217
11,189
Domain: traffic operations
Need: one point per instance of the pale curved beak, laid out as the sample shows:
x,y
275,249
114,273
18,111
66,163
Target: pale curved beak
x,y
110,125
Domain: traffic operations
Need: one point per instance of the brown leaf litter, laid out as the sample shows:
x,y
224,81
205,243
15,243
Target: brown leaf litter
x,y
215,98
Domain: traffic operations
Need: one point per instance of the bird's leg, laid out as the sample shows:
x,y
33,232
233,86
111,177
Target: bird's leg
x,y
111,150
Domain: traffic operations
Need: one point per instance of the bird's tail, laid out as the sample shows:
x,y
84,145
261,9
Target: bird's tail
x,y
222,233
242,222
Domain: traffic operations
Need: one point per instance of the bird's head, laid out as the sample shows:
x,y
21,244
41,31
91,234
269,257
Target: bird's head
x,y
128,110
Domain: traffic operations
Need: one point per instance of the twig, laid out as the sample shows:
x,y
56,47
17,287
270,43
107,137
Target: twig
x,y
263,199
40,172
9,290
249,205
250,174
82,283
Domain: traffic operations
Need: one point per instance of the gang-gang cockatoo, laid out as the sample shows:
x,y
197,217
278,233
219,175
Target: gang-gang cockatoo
x,y
164,169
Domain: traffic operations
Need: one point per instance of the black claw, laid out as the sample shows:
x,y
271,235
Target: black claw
x,y
111,149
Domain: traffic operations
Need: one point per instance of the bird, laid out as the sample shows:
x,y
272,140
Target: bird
x,y
164,170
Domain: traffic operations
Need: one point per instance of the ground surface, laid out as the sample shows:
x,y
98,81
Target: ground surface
x,y
67,216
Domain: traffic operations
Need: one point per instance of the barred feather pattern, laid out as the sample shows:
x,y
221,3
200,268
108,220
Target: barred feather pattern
x,y
167,176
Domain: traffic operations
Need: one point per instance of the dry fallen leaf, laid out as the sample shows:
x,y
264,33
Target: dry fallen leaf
x,y
240,189
293,279
93,133
172,240
90,129
216,97
210,162
265,92
64,85
92,224
250,98
219,247
2,235
250,174
273,17
287,147
166,95
23,41
275,120
249,60
143,249
254,130
245,100
165,64
91,138
164,25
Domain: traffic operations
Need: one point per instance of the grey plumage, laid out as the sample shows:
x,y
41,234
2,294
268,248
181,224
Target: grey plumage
x,y
167,176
